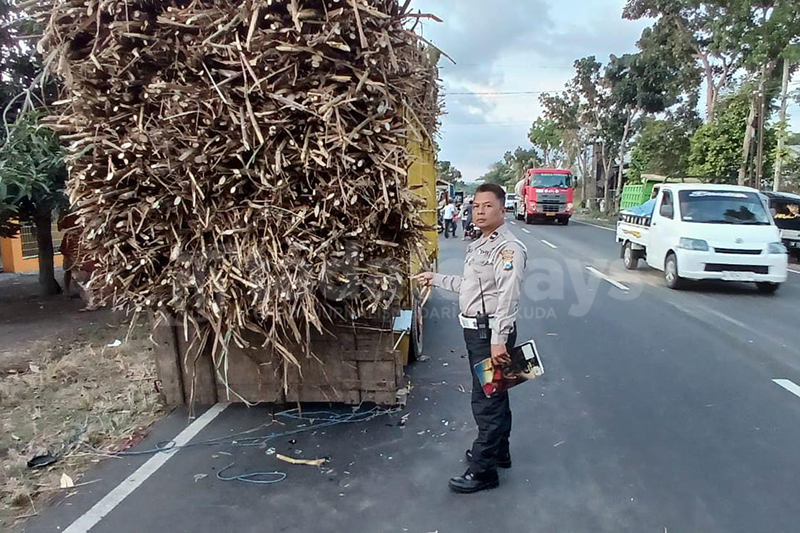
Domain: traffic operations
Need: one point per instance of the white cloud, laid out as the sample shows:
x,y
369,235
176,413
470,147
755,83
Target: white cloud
x,y
513,46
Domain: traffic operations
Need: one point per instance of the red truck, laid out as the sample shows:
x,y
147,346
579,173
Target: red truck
x,y
545,193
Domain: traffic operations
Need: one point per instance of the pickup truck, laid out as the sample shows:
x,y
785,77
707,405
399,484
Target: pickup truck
x,y
785,209
705,232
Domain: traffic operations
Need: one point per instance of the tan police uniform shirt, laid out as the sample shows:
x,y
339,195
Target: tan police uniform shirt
x,y
497,263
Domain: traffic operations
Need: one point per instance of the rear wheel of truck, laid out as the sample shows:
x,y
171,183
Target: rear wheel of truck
x,y
768,288
674,281
630,257
415,344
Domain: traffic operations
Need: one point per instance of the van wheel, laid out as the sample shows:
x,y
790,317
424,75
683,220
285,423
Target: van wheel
x,y
768,288
630,257
674,281
519,217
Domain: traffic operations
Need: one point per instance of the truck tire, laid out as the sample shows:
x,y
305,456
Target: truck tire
x,y
674,281
768,288
415,341
564,221
630,257
529,219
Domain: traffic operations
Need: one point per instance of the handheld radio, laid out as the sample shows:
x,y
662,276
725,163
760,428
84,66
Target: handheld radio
x,y
482,318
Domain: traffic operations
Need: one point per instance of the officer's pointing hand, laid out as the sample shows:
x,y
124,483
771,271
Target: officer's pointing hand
x,y
500,355
426,278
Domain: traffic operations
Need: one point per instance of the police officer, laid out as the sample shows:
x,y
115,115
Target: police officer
x,y
492,279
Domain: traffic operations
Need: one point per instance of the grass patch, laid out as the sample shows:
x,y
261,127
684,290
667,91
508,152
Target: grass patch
x,y
72,397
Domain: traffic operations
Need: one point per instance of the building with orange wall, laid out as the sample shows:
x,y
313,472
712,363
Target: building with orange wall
x,y
20,254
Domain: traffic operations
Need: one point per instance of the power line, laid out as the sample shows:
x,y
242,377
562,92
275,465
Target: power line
x,y
499,93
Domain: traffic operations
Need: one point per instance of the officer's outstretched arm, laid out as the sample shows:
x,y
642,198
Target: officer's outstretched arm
x,y
509,267
448,283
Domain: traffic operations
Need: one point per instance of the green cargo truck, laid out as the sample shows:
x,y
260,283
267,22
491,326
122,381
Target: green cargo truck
x,y
634,194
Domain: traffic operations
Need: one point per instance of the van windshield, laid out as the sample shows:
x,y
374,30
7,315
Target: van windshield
x,y
723,207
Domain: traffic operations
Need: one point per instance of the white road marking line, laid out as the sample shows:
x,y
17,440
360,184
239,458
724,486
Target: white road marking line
x,y
602,276
513,222
794,271
526,231
595,226
550,244
90,519
788,385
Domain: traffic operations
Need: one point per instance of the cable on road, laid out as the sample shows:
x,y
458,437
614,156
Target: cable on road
x,y
252,477
314,420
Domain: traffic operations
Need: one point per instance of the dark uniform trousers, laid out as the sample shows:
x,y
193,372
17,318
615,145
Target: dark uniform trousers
x,y
492,415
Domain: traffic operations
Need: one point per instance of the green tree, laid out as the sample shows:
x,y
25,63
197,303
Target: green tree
x,y
715,151
546,136
447,172
663,145
512,167
32,181
32,171
574,126
640,84
703,35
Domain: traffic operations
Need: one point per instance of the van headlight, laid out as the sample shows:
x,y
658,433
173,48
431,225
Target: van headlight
x,y
698,245
777,248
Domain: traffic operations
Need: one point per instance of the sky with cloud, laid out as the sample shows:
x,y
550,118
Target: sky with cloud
x,y
514,46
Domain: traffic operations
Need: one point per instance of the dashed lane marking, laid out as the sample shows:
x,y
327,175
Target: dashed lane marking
x,y
602,276
595,225
788,385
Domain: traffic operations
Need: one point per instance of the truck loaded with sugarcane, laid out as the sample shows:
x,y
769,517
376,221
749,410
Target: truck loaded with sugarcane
x,y
259,178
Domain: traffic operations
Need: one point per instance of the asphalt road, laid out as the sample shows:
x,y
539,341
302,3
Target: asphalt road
x,y
657,413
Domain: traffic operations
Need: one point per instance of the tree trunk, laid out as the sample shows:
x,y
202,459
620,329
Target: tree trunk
x,y
626,132
43,222
608,178
591,187
748,140
776,183
762,111
711,88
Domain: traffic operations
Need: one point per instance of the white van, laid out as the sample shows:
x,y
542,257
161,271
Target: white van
x,y
697,231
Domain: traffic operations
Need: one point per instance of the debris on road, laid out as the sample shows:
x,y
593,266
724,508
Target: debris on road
x,y
42,460
309,462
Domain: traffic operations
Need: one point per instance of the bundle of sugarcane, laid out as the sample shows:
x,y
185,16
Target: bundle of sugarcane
x,y
240,165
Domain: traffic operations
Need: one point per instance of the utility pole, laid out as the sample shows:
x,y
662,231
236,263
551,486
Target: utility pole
x,y
776,182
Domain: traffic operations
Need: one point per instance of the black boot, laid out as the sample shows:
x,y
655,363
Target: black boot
x,y
504,461
474,482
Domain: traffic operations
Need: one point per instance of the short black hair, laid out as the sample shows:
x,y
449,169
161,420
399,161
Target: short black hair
x,y
496,189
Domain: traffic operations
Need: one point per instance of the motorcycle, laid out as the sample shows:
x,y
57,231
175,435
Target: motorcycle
x,y
473,231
